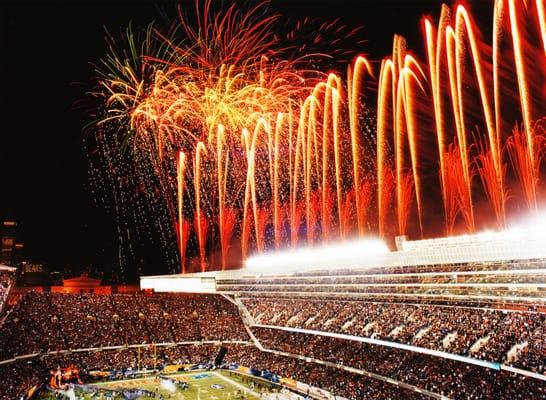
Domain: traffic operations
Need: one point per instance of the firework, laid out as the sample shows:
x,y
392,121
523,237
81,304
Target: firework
x,y
257,147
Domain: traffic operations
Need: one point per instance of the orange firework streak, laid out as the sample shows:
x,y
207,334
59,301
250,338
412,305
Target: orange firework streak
x,y
364,197
542,21
225,221
459,123
485,167
463,23
262,125
182,236
276,177
387,83
299,164
310,156
250,186
434,53
201,223
405,193
245,139
355,76
523,84
452,185
331,107
228,227
261,222
336,100
201,226
396,80
315,213
409,74
347,213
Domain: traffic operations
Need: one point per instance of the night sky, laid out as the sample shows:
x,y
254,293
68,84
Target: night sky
x,y
46,55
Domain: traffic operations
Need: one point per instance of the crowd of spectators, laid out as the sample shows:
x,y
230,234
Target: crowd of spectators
x,y
23,376
7,277
487,334
343,383
453,379
43,322
31,327
19,377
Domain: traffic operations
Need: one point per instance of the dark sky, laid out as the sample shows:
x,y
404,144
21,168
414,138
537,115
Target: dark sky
x,y
46,51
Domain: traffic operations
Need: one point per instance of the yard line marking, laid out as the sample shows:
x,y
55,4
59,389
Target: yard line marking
x,y
236,384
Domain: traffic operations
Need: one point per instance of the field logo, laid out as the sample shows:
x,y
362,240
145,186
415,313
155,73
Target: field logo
x,y
201,376
217,386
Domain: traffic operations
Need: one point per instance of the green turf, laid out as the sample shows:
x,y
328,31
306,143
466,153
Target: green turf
x,y
199,386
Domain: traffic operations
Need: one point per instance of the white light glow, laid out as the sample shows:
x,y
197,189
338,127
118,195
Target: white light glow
x,y
168,385
178,284
347,254
534,224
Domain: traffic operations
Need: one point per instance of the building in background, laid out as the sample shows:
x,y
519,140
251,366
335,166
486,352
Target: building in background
x,y
18,253
9,235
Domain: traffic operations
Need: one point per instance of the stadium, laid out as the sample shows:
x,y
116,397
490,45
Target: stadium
x,y
449,318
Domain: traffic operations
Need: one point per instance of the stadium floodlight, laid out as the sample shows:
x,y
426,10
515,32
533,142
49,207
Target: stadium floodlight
x,y
341,255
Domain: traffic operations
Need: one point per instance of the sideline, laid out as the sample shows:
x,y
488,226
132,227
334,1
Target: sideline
x,y
151,376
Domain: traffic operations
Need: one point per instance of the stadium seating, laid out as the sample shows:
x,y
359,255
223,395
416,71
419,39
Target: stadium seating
x,y
7,279
22,376
163,324
473,284
483,333
51,321
450,378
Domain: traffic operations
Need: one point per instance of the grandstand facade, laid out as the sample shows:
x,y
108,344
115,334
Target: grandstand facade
x,y
485,269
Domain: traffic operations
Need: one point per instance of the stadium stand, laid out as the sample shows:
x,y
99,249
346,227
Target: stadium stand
x,y
449,378
43,322
429,322
22,375
7,280
487,334
475,284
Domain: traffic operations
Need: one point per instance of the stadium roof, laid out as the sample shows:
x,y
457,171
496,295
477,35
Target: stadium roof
x,y
6,268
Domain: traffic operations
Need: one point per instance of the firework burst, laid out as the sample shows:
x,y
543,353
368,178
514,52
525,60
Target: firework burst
x,y
235,137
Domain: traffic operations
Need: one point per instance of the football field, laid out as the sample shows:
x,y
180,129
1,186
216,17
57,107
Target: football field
x,y
203,385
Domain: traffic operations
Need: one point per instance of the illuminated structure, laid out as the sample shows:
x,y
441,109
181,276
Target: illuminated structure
x,y
9,230
478,274
507,266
